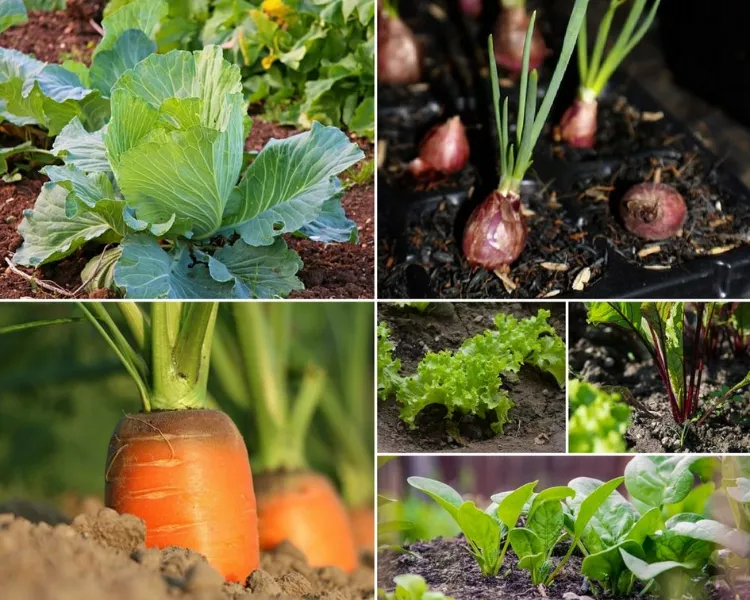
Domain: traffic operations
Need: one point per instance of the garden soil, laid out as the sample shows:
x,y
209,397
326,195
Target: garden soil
x,y
329,271
448,567
538,417
601,355
101,556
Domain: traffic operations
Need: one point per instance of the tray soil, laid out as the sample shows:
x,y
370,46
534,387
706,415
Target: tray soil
x,y
576,239
329,271
102,557
538,417
448,567
601,355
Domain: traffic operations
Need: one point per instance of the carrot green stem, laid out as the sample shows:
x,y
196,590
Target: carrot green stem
x,y
228,368
139,326
143,389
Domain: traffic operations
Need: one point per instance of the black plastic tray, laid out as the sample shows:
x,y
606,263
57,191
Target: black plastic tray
x,y
401,210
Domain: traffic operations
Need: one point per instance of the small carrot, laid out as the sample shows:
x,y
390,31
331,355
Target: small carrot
x,y
363,524
186,473
305,509
182,469
295,503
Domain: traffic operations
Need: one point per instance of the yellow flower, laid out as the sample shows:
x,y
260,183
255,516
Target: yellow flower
x,y
267,61
275,8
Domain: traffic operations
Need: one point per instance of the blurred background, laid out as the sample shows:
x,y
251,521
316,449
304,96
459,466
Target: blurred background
x,y
62,391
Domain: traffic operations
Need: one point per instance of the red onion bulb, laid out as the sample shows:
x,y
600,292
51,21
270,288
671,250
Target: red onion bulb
x,y
510,36
653,211
495,234
578,124
473,8
399,53
445,149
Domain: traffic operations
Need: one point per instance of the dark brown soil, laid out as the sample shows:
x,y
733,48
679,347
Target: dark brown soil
x,y
103,556
52,36
330,271
537,419
448,567
601,355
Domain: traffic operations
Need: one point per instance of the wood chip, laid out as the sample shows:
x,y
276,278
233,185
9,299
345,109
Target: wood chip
x,y
651,117
506,82
382,149
582,279
437,12
657,267
551,294
722,249
649,250
541,439
508,283
550,266
527,212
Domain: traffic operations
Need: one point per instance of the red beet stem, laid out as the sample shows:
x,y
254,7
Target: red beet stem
x,y
578,124
510,35
495,234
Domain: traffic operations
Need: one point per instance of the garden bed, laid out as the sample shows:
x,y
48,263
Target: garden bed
x,y
537,421
330,271
448,567
576,245
103,556
609,356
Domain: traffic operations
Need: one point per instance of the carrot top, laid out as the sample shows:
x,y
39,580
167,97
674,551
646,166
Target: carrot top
x,y
167,352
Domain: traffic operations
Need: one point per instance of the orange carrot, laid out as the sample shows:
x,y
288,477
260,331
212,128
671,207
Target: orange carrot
x,y
304,508
363,525
186,473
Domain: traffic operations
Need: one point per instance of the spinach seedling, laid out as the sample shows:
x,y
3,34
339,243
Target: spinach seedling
x,y
411,587
483,530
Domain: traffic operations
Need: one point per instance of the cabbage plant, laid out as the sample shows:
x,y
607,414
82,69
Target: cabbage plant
x,y
164,190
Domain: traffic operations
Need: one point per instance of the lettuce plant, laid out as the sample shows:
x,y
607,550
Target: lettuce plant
x,y
598,419
411,587
158,189
468,381
660,326
389,379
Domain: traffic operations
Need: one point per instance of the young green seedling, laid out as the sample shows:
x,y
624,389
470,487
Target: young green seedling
x,y
483,531
411,587
578,125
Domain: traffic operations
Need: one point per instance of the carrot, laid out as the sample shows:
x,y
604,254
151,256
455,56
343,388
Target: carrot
x,y
182,469
304,509
294,503
363,524
186,473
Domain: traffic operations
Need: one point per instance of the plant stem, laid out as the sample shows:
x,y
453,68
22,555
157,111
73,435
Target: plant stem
x,y
138,324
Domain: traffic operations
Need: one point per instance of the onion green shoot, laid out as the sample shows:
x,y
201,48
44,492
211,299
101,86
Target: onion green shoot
x,y
597,69
515,157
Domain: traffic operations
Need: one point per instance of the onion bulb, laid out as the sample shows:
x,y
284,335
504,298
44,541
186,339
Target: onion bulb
x,y
578,124
495,234
653,211
445,149
473,8
399,53
510,35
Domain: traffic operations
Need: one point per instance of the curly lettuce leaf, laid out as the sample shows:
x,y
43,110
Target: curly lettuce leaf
x,y
598,421
389,378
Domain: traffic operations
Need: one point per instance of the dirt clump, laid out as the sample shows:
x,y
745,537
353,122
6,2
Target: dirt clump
x,y
103,556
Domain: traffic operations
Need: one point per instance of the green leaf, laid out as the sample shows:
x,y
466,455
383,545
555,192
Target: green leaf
x,y
26,148
90,189
598,421
592,503
609,569
363,120
441,493
129,49
146,271
49,235
550,356
332,225
530,551
511,506
546,521
144,15
483,532
623,314
163,171
660,480
264,272
12,12
288,183
389,379
712,531
82,149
